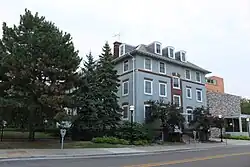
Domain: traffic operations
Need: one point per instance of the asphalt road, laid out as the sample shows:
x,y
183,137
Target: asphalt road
x,y
216,157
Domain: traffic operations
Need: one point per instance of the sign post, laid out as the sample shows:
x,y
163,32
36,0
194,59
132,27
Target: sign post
x,y
194,133
63,133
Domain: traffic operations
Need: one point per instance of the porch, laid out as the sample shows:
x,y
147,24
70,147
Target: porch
x,y
237,125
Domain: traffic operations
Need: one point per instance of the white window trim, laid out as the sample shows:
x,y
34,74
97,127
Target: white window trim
x,y
170,47
197,96
158,43
123,112
187,114
196,77
150,64
179,99
151,82
166,94
123,94
145,105
182,51
179,83
186,74
122,45
165,70
124,64
187,93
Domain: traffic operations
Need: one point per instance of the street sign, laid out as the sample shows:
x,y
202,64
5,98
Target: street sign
x,y
63,132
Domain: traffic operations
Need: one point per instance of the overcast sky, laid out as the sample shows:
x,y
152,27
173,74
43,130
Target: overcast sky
x,y
215,33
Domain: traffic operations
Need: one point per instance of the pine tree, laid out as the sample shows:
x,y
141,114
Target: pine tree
x,y
109,112
42,64
87,95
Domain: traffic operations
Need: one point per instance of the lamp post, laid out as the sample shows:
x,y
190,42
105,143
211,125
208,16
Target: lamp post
x,y
133,78
131,108
221,135
248,126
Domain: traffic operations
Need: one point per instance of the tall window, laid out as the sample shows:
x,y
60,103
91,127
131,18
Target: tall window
x,y
198,76
171,52
162,68
147,109
198,95
189,93
162,89
183,56
125,112
125,88
176,83
188,74
177,100
122,49
189,113
148,64
125,66
158,48
148,87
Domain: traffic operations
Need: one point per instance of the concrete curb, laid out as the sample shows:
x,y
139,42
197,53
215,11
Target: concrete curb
x,y
42,157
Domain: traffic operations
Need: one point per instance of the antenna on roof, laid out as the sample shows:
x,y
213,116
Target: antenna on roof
x,y
118,35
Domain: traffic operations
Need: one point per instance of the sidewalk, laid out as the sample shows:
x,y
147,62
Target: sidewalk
x,y
97,152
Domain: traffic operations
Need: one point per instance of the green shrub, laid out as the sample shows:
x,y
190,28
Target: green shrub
x,y
237,137
139,131
140,142
110,140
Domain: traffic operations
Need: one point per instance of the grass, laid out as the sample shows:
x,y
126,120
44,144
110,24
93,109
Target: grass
x,y
55,144
24,135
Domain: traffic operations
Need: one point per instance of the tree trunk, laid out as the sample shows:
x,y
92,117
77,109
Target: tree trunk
x,y
31,126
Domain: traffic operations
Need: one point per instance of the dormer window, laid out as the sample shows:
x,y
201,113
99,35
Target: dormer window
x,y
158,49
183,56
122,50
171,53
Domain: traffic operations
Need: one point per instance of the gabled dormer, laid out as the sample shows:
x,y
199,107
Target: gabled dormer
x,y
181,56
155,47
170,52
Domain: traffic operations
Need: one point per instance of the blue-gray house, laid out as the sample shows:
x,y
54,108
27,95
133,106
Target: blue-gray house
x,y
156,72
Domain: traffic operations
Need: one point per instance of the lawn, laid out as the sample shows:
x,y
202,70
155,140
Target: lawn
x,y
54,144
24,135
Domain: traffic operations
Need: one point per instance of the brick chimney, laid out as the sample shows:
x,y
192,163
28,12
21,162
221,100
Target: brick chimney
x,y
116,48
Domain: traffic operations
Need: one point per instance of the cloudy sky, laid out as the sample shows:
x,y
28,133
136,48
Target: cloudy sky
x,y
215,33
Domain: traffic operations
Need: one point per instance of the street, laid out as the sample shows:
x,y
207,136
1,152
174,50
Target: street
x,y
217,157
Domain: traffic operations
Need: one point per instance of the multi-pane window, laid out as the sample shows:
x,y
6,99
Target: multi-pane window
x,y
147,64
147,110
176,83
158,48
189,93
198,76
199,95
177,100
163,89
171,52
125,112
148,87
125,66
125,88
188,74
189,115
183,56
162,68
122,49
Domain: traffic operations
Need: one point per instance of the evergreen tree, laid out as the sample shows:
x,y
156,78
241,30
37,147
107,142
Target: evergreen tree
x,y
109,113
41,64
87,94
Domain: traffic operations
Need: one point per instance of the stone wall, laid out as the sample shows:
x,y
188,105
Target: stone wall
x,y
222,104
